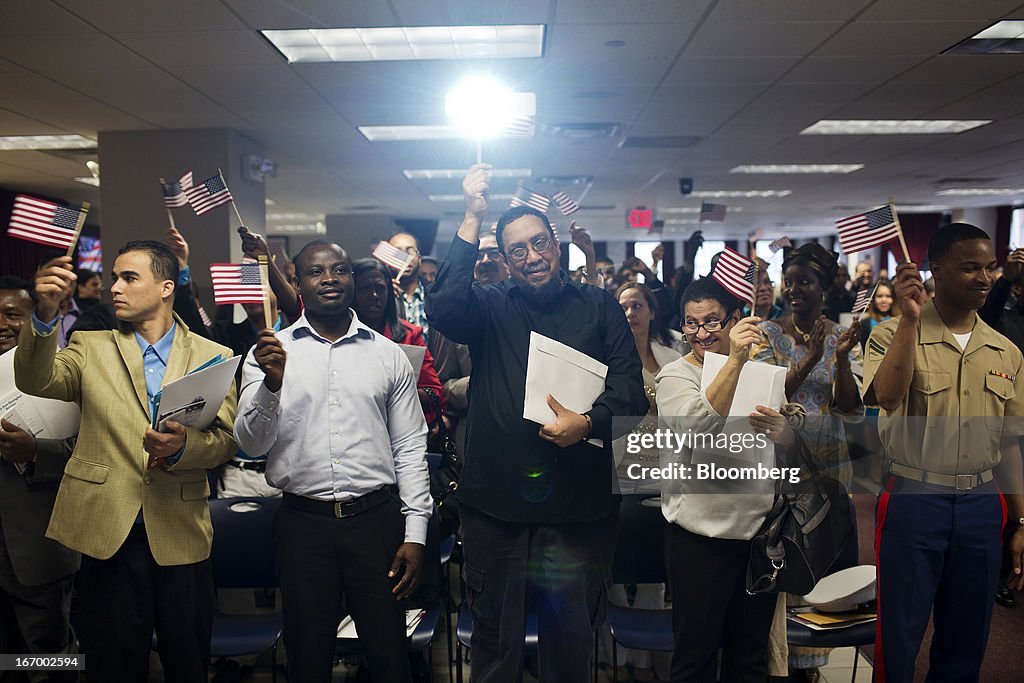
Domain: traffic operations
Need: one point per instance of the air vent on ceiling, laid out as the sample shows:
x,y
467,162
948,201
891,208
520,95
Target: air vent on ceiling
x,y
660,141
584,131
562,180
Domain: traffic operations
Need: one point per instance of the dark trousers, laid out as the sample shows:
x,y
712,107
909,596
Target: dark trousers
x,y
33,620
938,554
122,600
561,570
323,563
711,610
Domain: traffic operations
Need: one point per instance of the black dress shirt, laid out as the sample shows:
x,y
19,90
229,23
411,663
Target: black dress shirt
x,y
510,472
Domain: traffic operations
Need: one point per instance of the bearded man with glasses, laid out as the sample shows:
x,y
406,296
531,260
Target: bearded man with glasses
x,y
539,513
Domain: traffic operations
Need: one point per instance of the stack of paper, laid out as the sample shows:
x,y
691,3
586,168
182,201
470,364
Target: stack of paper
x,y
760,384
193,400
830,622
347,627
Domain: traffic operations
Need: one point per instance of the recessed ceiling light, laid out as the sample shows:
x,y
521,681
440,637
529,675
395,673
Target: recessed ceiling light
x,y
407,43
753,194
88,180
1002,37
797,168
459,197
693,209
891,127
978,191
269,202
14,142
460,173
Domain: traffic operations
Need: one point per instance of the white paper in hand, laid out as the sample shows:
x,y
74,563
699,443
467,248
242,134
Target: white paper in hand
x,y
573,378
760,384
45,418
193,400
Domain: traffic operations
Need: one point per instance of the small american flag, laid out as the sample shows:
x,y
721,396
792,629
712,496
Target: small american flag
x,y
781,243
712,212
868,230
520,127
38,220
174,193
392,256
862,302
564,203
527,197
236,283
735,272
208,195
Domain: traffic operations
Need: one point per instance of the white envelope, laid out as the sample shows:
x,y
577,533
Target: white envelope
x,y
415,354
45,418
573,378
761,384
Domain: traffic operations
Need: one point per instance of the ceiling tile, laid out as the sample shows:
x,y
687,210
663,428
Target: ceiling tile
x,y
153,15
906,10
859,69
202,48
764,39
313,13
38,17
730,70
898,38
791,10
624,13
62,56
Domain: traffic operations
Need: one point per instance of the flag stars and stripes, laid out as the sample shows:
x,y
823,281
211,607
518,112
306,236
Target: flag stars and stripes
x,y
236,283
43,222
209,194
868,230
735,272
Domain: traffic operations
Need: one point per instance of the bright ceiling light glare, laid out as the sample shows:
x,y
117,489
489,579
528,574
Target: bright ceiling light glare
x,y
394,43
891,127
23,142
459,173
747,194
797,168
979,192
407,133
481,107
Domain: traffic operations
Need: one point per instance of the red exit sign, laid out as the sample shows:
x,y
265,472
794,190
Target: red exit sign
x,y
640,219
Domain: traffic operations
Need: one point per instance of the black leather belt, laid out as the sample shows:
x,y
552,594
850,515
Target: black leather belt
x,y
348,508
254,465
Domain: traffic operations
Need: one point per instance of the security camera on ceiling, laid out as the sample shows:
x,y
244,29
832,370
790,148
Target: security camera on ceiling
x,y
685,186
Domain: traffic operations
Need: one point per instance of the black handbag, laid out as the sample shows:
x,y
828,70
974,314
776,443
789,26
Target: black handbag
x,y
444,480
803,534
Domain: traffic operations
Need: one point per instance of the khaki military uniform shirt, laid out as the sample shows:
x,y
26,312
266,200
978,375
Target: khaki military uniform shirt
x,y
960,400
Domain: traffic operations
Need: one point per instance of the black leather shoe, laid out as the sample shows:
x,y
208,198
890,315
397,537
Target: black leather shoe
x,y
1004,597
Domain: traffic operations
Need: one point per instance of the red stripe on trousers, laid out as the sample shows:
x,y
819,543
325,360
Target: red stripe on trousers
x,y
883,508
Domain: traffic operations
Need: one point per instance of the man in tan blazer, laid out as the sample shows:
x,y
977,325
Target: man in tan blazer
x,y
132,500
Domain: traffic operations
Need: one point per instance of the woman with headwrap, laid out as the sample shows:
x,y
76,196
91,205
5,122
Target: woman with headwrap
x,y
819,354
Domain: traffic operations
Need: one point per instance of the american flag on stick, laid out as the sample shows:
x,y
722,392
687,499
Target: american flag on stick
x,y
209,194
174,193
863,301
564,203
779,244
867,230
520,127
735,272
236,283
392,256
43,222
712,212
527,197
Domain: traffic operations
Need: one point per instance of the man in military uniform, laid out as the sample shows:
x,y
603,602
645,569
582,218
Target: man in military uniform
x,y
947,384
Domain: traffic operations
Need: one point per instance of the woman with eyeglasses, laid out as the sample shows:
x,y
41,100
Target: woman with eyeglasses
x,y
820,356
708,539
376,306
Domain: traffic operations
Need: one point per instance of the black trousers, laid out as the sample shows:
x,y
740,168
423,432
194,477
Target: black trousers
x,y
711,610
323,563
560,570
122,600
33,620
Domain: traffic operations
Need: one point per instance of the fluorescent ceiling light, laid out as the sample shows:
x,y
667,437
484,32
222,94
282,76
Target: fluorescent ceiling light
x,y
978,191
88,180
459,197
682,221
414,133
797,168
269,202
407,43
306,228
922,208
891,127
460,173
13,142
275,217
692,209
750,194
1003,30
1002,37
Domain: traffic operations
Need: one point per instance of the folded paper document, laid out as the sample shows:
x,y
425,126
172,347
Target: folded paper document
x,y
193,400
575,379
760,384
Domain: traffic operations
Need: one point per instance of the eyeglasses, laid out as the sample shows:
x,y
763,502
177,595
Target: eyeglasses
x,y
410,250
541,245
492,253
709,325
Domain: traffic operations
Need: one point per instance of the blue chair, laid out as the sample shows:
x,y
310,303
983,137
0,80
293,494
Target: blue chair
x,y
243,557
856,636
464,634
639,558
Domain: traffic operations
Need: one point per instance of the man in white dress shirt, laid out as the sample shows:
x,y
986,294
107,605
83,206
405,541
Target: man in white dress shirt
x,y
346,442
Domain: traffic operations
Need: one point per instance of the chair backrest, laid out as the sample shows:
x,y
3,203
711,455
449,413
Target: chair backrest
x,y
243,542
639,550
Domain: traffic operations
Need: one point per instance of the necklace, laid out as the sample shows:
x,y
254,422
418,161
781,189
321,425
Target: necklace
x,y
806,336
697,360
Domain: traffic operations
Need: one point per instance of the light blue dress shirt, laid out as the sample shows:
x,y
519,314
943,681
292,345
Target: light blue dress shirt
x,y
346,422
